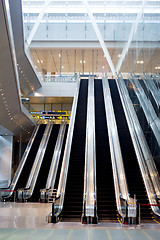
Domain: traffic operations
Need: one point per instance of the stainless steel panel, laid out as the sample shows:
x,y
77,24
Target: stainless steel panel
x,y
12,116
90,193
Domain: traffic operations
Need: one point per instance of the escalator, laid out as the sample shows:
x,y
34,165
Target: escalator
x,y
73,200
60,160
30,160
44,170
106,202
133,174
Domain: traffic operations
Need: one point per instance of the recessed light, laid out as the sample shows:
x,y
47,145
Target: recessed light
x,y
21,71
140,62
103,67
157,67
59,55
38,61
62,67
2,94
41,61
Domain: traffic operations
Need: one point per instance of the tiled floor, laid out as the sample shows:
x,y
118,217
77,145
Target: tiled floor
x,y
22,221
78,234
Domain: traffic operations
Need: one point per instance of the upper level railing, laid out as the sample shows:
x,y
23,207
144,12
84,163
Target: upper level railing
x,y
60,78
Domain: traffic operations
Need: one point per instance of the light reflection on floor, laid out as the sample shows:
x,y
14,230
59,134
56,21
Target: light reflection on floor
x,y
28,221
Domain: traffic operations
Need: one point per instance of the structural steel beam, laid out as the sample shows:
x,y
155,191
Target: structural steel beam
x,y
99,36
36,25
132,33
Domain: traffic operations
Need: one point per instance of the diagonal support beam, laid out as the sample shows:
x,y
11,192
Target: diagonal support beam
x,y
36,25
99,36
132,33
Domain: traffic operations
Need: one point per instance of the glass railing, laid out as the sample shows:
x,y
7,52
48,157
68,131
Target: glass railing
x,y
147,107
60,78
147,116
144,156
152,88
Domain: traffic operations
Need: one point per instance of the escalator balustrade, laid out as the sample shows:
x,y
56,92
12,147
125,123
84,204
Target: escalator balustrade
x,y
106,202
73,201
132,170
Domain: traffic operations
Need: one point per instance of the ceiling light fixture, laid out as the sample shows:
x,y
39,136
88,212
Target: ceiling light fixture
x,y
140,62
157,67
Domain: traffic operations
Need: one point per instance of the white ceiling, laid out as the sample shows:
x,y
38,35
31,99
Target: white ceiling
x,y
137,60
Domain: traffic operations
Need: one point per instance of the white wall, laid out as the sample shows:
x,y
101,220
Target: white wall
x,y
81,31
56,89
6,146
